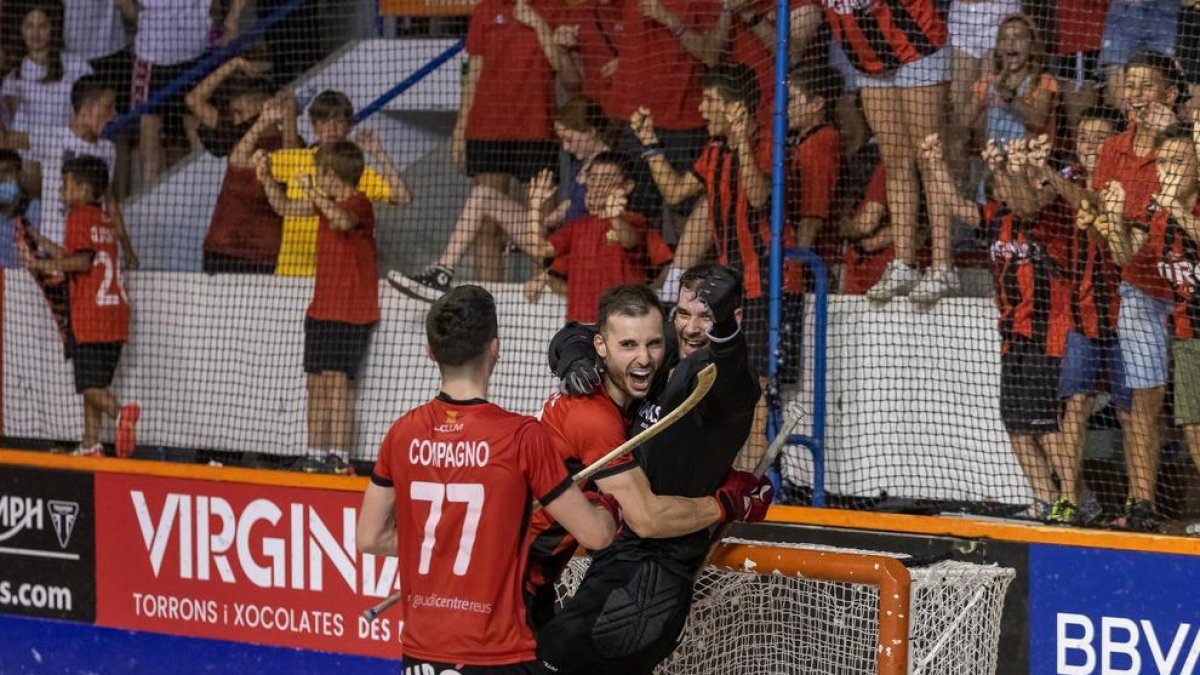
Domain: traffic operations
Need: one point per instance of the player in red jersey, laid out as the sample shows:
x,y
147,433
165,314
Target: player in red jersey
x,y
631,346
450,497
99,324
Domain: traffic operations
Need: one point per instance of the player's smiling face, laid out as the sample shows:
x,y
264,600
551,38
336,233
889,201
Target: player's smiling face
x,y
632,348
693,321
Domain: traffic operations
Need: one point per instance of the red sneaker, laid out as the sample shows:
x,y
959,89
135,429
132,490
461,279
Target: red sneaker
x,y
126,425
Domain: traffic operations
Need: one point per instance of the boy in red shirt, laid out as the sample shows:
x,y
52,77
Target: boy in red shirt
x,y
99,325
345,304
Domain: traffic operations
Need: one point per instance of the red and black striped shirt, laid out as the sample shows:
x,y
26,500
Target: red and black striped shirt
x,y
1028,257
741,232
1179,265
879,36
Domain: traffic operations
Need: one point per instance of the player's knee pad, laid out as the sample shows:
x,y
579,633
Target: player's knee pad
x,y
642,612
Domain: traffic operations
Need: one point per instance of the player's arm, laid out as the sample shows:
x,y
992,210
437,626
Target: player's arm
x,y
199,99
532,238
652,516
76,262
286,208
398,192
593,527
753,182
244,153
675,188
376,531
340,220
736,390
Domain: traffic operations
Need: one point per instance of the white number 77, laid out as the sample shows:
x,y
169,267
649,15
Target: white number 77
x,y
470,494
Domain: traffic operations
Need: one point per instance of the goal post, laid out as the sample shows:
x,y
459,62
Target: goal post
x,y
765,608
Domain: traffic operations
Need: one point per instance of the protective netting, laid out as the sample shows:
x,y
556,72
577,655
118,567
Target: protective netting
x,y
773,622
973,337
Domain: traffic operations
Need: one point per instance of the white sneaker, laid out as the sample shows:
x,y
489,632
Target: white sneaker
x,y
937,283
898,279
96,450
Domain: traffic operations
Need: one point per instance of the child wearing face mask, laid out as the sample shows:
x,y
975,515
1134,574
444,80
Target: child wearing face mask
x,y
14,205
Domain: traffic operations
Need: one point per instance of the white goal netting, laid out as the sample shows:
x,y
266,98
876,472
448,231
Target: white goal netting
x,y
771,621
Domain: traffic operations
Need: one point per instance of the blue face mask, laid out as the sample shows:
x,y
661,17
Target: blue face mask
x,y
9,191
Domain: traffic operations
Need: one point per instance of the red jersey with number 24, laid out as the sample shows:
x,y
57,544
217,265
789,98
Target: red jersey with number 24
x,y
465,473
99,308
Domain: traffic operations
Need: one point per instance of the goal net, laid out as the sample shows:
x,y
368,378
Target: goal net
x,y
776,609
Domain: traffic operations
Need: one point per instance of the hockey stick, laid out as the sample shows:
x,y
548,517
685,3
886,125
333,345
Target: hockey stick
x,y
704,382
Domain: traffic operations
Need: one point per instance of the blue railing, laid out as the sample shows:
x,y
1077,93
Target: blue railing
x,y
816,441
408,82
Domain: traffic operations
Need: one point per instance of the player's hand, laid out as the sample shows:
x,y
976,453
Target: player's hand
x,y
607,502
653,9
262,166
524,13
1037,151
993,156
721,291
744,497
739,121
534,287
574,360
541,190
566,37
931,148
1086,216
1017,155
369,141
614,205
642,123
1113,198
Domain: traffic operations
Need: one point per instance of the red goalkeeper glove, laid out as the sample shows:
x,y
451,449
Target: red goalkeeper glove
x,y
607,502
744,497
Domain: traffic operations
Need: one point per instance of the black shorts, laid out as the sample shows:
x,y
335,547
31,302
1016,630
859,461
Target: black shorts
x,y
116,71
335,346
95,363
149,79
1078,67
419,667
626,618
219,263
520,159
1029,402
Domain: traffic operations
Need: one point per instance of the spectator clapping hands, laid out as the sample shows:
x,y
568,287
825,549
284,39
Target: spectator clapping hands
x,y
542,191
642,123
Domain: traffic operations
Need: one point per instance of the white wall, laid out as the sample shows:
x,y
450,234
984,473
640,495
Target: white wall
x,y
216,363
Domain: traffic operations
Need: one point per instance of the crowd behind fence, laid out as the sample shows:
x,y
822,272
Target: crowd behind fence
x,y
229,216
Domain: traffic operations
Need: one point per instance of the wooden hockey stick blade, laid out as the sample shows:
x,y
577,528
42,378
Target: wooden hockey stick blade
x,y
704,382
791,419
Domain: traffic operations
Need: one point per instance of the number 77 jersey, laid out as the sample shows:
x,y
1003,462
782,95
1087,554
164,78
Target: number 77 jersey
x,y
464,475
99,308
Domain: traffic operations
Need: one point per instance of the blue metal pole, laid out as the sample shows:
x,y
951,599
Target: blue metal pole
x,y
816,442
407,83
201,69
775,278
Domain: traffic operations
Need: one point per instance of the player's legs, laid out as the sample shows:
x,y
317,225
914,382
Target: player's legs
x,y
1067,454
317,413
921,120
150,148
487,204
488,244
341,411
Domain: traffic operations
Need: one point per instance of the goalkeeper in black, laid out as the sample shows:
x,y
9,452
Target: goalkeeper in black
x,y
630,609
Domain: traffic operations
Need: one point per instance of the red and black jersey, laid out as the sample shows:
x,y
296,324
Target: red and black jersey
x,y
879,36
1179,265
741,232
1032,289
1094,280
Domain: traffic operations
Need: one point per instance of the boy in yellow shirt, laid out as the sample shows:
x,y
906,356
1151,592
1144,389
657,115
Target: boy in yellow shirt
x,y
332,117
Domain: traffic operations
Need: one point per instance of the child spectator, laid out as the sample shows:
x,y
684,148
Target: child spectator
x,y
1018,98
502,136
584,133
1075,54
814,152
39,88
1029,236
1133,26
245,231
345,305
14,205
897,49
603,247
171,37
1157,258
972,26
869,248
332,118
94,106
1127,162
1092,361
1174,236
99,306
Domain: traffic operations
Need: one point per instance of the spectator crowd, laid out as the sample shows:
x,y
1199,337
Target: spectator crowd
x,y
618,141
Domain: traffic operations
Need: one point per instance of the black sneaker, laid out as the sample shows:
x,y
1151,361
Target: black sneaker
x,y
1139,516
428,285
336,465
311,464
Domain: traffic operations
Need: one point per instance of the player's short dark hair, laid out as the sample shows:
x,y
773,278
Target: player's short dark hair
x,y
344,158
633,300
10,158
331,105
693,276
240,85
817,80
90,171
1102,113
1164,65
86,89
734,82
460,325
617,159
